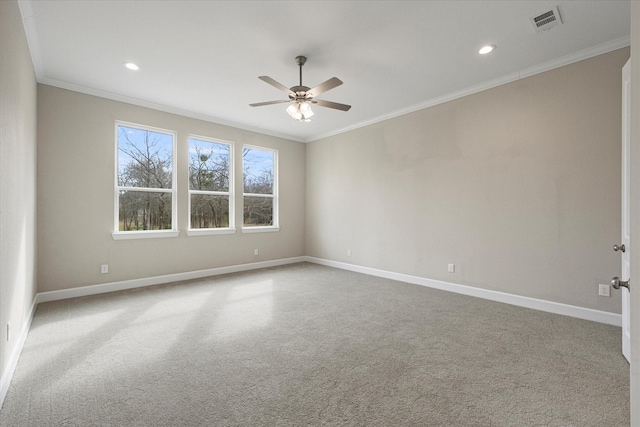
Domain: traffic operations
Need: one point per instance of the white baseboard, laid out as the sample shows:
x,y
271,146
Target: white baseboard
x,y
7,375
521,301
158,280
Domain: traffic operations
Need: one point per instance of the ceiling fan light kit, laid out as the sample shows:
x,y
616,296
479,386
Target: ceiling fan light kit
x,y
301,97
300,111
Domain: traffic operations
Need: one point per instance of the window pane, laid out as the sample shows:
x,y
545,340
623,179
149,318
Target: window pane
x,y
209,211
258,211
258,168
140,210
144,158
208,165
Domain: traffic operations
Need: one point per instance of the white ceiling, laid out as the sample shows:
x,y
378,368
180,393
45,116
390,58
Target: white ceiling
x,y
203,58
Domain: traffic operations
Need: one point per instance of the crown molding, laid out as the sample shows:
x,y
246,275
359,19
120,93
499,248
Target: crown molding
x,y
507,78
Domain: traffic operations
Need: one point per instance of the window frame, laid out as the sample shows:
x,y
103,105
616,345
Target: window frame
x,y
276,217
145,234
231,229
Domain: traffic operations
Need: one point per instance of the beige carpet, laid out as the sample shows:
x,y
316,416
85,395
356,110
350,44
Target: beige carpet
x,y
306,345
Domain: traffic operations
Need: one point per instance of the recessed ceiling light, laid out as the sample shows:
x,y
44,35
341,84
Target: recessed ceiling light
x,y
131,66
487,49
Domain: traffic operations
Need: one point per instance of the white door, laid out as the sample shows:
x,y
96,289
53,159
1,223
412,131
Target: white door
x,y
626,212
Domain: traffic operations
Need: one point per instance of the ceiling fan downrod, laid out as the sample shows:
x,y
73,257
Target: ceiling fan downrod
x,y
301,60
300,91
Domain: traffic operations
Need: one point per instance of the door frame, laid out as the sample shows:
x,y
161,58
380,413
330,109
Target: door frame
x,y
625,255
634,377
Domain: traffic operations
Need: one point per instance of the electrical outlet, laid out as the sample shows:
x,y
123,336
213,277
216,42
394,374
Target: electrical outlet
x,y
256,252
604,290
104,268
348,252
451,268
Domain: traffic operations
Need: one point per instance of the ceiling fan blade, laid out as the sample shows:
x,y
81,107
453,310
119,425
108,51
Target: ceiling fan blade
x,y
260,104
329,104
275,84
323,87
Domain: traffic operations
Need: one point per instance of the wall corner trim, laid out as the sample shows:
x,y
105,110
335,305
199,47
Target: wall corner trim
x,y
12,363
518,300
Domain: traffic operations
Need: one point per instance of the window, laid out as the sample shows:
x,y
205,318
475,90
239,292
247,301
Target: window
x,y
145,182
210,186
260,182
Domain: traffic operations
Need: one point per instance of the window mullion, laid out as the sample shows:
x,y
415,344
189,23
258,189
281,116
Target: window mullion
x,y
258,195
146,190
214,193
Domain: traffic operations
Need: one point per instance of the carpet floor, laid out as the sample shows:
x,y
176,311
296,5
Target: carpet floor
x,y
307,345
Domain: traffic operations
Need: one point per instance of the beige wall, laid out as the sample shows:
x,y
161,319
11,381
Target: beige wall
x,y
518,186
17,180
76,150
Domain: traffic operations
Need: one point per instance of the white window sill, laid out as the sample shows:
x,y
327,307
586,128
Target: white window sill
x,y
210,231
260,229
128,235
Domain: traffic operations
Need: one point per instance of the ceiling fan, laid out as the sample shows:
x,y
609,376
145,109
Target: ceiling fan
x,y
301,97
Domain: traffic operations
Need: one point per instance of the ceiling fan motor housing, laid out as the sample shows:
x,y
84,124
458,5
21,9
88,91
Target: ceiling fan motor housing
x,y
300,92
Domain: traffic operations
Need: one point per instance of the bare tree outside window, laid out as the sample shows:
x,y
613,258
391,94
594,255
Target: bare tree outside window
x,y
145,179
209,184
259,169
145,193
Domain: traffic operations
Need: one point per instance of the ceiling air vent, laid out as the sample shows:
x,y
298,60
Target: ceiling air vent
x,y
546,21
